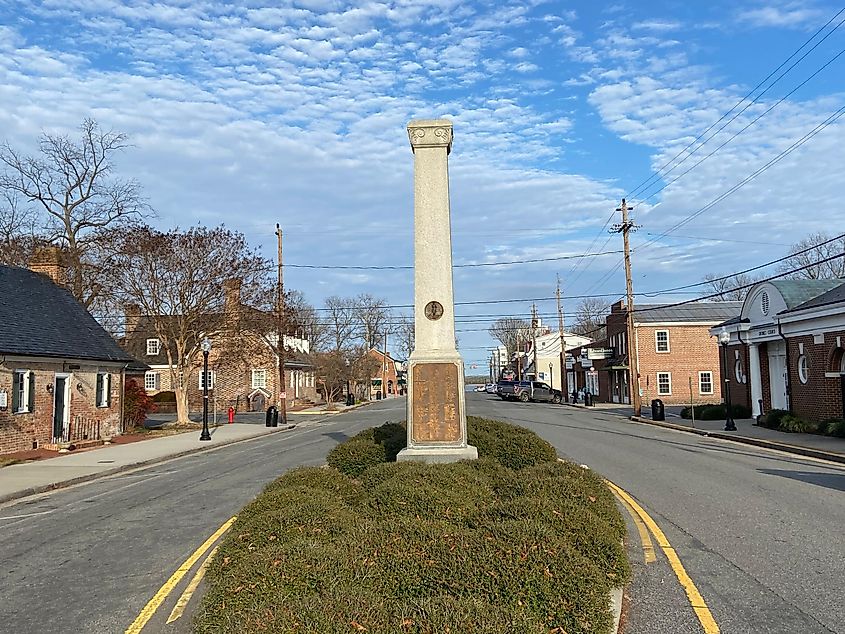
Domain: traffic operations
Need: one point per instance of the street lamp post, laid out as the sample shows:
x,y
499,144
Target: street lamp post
x,y
724,338
206,348
551,376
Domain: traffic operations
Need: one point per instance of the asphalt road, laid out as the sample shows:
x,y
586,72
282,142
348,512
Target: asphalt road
x,y
760,533
88,559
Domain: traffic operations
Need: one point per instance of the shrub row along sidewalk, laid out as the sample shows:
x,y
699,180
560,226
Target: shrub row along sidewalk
x,y
512,542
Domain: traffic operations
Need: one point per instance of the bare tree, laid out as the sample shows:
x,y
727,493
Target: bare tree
x,y
340,320
373,317
590,318
809,252
177,278
72,188
18,237
405,331
512,332
730,289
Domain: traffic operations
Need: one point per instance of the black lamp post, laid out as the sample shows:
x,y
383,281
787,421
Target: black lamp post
x,y
206,348
349,398
724,338
551,376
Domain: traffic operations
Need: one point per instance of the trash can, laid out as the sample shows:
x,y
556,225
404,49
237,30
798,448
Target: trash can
x,y
350,399
378,395
657,410
588,399
268,418
275,417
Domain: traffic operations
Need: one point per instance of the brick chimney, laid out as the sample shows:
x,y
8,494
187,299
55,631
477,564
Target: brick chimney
x,y
132,319
50,261
232,295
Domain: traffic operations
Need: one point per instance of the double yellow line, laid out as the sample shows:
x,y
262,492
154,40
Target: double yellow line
x,y
155,603
643,520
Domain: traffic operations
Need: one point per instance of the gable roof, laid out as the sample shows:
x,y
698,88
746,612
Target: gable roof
x,y
797,292
835,295
714,312
40,319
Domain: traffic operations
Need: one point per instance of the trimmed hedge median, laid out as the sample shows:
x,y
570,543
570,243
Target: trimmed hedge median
x,y
515,541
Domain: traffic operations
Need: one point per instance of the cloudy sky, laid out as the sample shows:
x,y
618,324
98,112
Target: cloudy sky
x,y
295,112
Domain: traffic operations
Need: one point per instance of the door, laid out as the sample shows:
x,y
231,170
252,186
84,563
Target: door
x,y
61,414
777,374
258,402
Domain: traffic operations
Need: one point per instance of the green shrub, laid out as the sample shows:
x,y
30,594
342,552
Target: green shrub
x,y
164,397
795,425
833,427
773,418
513,446
471,546
716,411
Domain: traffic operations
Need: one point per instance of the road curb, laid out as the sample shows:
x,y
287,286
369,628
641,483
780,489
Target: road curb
x,y
616,607
748,440
126,467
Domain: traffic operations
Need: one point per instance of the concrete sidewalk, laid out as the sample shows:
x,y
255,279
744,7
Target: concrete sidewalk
x,y
812,445
20,480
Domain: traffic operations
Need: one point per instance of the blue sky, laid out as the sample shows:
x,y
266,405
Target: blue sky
x,y
295,112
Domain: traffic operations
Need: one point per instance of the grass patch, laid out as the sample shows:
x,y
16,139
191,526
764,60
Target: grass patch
x,y
6,462
500,544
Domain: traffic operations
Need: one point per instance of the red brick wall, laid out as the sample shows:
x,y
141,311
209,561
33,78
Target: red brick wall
x,y
18,431
821,397
691,350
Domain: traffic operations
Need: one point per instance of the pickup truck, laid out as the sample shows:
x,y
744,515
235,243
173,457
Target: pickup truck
x,y
528,391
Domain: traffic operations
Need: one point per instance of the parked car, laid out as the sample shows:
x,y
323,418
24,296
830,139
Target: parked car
x,y
490,388
525,391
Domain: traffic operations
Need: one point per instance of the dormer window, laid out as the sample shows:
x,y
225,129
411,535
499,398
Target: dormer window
x,y
153,347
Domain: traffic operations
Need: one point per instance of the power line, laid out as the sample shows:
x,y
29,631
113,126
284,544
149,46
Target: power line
x,y
657,173
736,134
455,266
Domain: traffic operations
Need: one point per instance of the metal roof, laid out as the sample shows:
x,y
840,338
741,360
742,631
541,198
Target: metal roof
x,y
714,312
834,295
797,292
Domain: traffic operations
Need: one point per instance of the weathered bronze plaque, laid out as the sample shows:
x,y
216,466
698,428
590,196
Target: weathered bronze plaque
x,y
433,310
436,403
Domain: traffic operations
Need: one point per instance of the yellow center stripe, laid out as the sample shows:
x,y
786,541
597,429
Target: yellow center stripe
x,y
179,608
693,595
154,603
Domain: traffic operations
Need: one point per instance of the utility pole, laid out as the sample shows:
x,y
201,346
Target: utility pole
x,y
280,331
562,342
534,340
633,367
384,369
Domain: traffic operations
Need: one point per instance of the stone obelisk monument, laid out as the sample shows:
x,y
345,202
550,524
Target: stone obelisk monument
x,y
437,427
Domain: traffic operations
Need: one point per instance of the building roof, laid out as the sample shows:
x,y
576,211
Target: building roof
x,y
797,292
714,312
834,295
40,319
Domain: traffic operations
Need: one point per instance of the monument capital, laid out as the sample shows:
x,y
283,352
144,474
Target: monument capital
x,y
429,133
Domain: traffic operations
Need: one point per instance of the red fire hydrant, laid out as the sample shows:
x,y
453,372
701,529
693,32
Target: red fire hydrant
x,y
231,414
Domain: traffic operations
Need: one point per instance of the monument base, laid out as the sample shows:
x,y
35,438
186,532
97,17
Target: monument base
x,y
438,454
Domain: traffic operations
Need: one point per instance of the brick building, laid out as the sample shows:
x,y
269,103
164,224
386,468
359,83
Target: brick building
x,y
674,350
787,349
389,370
61,373
242,364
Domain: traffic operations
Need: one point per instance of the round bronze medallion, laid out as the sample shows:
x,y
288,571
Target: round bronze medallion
x,y
434,310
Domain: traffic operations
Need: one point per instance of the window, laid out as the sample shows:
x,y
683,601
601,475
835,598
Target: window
x,y
764,303
151,381
803,369
661,340
738,371
664,383
23,391
210,380
705,382
259,379
103,389
153,346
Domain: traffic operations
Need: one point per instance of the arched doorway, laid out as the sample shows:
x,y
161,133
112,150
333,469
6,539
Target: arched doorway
x,y
258,402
